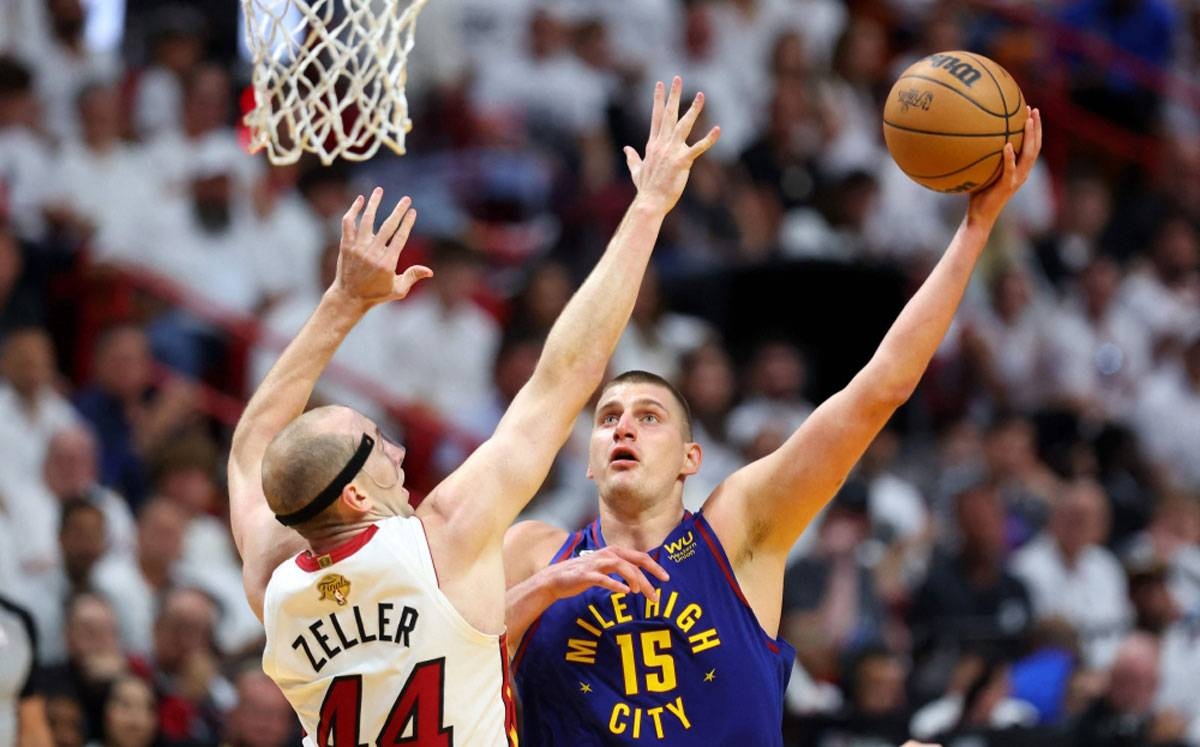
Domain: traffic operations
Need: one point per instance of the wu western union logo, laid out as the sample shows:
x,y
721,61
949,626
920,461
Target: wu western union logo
x,y
682,548
335,587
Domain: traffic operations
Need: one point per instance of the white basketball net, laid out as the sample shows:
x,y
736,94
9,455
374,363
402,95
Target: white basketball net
x,y
329,76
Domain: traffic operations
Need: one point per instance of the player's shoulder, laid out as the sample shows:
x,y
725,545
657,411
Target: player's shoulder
x,y
531,545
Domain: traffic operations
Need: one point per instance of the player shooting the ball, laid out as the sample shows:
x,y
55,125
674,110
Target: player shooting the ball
x,y
389,622
702,664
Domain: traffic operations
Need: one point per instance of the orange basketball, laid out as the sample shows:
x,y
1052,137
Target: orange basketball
x,y
948,117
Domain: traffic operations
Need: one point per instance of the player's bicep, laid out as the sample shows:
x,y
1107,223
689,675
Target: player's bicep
x,y
768,503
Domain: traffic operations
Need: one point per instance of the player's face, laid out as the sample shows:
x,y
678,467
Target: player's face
x,y
385,472
638,445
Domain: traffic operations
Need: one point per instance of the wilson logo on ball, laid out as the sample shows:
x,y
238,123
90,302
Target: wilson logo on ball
x,y
966,73
913,98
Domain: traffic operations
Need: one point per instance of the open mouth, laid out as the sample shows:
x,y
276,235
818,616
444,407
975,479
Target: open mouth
x,y
622,456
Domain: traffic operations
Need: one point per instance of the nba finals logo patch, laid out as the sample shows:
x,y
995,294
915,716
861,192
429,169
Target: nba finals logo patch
x,y
682,548
335,587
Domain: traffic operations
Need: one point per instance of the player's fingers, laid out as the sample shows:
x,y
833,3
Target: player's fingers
x,y
702,145
656,113
350,220
368,220
644,560
388,229
404,282
1010,165
633,576
607,582
688,121
400,237
671,113
1037,130
632,159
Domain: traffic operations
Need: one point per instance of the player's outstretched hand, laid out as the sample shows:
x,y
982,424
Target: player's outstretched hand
x,y
662,173
987,203
570,577
366,267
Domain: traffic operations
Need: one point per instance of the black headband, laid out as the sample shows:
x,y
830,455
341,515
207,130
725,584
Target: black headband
x,y
333,490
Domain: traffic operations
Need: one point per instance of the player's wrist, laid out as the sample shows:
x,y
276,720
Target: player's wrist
x,y
650,205
338,298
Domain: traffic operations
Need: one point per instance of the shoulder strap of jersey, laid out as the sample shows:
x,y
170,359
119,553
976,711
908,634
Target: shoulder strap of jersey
x,y
568,546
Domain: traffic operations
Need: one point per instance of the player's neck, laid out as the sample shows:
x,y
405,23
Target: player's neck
x,y
327,539
642,527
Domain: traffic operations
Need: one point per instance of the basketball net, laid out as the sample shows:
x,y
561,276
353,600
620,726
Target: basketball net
x,y
329,76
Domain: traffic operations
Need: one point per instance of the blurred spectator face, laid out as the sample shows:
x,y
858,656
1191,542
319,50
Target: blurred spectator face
x,y
100,113
123,364
792,124
943,30
1099,284
980,515
547,35
841,532
514,367
211,195
708,380
184,627
861,55
27,361
1011,447
1080,517
648,305
1133,682
67,18
1087,207
11,262
788,59
591,44
1176,254
91,628
19,106
160,533
190,487
129,714
262,716
778,371
1191,362
698,31
83,540
1011,293
547,294
879,688
206,103
1152,601
65,716
178,51
70,468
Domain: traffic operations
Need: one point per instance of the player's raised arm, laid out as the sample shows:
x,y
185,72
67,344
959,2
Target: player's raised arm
x,y
481,498
761,509
365,277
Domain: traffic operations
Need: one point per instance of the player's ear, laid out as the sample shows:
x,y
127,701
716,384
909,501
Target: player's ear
x,y
693,455
354,499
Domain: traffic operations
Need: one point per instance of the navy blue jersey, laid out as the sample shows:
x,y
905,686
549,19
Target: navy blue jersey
x,y
695,668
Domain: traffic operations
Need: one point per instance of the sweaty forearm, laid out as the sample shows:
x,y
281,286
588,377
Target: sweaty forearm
x,y
902,357
586,333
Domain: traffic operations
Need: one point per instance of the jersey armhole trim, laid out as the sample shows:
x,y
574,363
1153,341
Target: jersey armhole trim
x,y
567,550
432,560
723,563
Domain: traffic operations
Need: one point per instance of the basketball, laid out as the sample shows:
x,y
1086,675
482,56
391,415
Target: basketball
x,y
948,117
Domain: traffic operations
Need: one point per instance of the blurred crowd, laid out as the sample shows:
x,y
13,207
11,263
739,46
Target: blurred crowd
x,y
1016,559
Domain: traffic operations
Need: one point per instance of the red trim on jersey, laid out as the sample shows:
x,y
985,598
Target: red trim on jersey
x,y
508,695
312,563
737,589
437,579
568,548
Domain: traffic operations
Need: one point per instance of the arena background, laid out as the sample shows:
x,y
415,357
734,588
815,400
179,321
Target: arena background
x,y
1015,560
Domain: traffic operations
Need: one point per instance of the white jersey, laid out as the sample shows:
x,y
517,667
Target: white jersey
x,y
368,650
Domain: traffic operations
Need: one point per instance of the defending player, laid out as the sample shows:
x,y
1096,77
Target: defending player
x,y
387,627
703,664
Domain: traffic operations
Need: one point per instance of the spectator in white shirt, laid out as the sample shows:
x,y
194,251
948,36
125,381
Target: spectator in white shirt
x,y
104,180
776,406
1172,540
1167,418
1098,352
656,338
708,382
176,49
1164,295
24,154
1071,575
72,472
442,344
65,65
31,408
